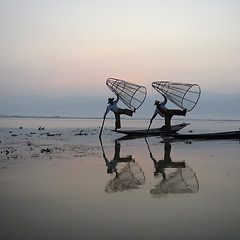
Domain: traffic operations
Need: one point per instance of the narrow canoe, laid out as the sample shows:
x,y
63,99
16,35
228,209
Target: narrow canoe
x,y
216,135
152,131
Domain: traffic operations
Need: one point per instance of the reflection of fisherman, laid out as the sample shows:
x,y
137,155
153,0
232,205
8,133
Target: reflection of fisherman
x,y
112,165
159,165
166,113
181,180
166,162
112,105
130,174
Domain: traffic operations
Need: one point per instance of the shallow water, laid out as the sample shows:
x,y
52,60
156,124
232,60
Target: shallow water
x,y
132,189
51,123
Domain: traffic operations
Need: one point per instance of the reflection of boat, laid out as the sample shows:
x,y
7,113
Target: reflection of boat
x,y
130,175
181,180
152,131
218,135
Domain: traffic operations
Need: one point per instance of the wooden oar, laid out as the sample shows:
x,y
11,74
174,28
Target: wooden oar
x,y
104,117
148,127
101,127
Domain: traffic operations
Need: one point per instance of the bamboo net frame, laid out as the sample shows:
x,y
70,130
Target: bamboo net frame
x,y
184,95
132,95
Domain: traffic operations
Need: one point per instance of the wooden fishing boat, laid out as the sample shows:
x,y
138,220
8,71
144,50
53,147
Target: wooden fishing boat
x,y
152,131
216,135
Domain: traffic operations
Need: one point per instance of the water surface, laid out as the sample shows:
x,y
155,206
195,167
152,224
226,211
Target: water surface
x,y
132,189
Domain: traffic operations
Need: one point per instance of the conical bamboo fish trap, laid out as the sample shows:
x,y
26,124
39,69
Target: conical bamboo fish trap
x,y
132,95
184,95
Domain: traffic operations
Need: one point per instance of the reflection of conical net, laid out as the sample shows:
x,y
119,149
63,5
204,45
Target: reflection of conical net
x,y
184,95
183,180
130,94
131,176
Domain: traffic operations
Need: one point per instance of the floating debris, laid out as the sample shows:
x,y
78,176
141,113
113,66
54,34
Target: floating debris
x,y
81,134
53,134
46,150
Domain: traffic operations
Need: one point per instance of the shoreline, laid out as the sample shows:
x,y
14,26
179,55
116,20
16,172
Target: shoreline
x,y
100,118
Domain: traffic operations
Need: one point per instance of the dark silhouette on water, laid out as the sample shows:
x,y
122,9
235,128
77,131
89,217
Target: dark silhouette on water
x,y
129,175
112,164
177,177
166,162
182,180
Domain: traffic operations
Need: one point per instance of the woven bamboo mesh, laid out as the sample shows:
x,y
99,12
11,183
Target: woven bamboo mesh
x,y
132,95
184,95
131,176
182,180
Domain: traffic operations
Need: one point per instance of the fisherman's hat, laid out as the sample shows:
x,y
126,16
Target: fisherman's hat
x,y
110,100
156,102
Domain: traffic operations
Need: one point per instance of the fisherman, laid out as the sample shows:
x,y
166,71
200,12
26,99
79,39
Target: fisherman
x,y
112,105
163,111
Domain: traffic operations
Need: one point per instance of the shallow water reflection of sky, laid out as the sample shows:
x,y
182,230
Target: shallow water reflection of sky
x,y
132,189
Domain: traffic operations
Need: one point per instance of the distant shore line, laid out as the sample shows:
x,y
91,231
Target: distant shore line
x,y
59,117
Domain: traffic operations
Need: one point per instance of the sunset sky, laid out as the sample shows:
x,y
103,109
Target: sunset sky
x,y
69,48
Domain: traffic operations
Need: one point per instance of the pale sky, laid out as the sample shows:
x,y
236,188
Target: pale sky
x,y
69,48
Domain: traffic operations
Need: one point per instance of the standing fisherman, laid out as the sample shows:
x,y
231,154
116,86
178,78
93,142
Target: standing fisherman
x,y
112,105
166,113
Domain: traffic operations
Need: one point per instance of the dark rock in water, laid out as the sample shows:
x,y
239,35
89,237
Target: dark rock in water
x,y
46,150
53,134
81,134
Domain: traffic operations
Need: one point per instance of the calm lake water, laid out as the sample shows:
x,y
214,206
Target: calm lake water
x,y
196,125
123,189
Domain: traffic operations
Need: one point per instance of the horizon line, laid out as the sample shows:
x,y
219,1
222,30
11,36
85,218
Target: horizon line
x,y
131,119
